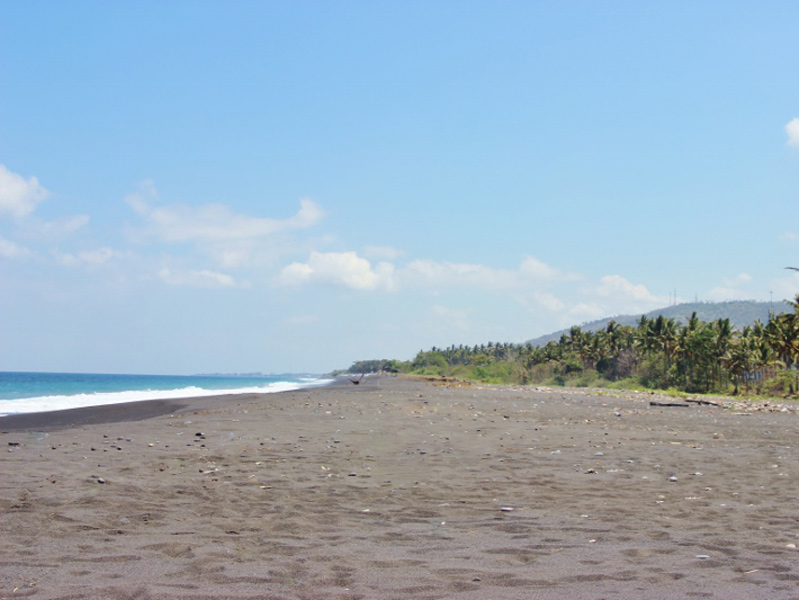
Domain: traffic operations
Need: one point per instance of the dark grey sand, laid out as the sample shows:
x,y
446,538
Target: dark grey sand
x,y
401,489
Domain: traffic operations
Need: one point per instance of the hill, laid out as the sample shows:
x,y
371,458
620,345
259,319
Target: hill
x,y
739,312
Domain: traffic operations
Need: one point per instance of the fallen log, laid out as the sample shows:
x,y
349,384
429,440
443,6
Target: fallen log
x,y
702,402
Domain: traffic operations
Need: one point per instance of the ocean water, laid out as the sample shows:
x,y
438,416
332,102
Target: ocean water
x,y
24,392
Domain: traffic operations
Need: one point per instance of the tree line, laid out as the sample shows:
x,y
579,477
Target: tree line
x,y
656,353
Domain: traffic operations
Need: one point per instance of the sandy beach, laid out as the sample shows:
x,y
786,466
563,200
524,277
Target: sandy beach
x,y
398,488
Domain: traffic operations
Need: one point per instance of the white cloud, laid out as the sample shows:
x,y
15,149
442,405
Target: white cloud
x,y
19,197
792,129
739,279
582,312
616,286
340,268
9,249
532,268
432,273
196,278
96,257
548,301
61,227
732,288
212,222
789,237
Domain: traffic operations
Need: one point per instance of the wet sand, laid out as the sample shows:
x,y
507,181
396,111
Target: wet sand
x,y
401,489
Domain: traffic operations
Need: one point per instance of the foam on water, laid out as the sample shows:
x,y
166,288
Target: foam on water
x,y
65,402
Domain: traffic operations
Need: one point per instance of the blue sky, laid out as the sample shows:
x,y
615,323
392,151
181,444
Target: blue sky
x,y
193,186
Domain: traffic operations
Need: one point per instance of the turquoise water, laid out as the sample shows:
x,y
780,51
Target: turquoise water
x,y
25,392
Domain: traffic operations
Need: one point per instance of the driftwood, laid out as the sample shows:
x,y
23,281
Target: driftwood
x,y
679,404
705,402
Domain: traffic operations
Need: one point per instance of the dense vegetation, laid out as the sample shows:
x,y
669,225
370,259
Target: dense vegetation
x,y
658,353
739,312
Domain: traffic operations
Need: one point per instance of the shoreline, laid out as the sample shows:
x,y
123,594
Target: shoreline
x,y
399,488
136,410
148,409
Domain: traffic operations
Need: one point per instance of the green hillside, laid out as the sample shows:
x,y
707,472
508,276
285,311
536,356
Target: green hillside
x,y
739,312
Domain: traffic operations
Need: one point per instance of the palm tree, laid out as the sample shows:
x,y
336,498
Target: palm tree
x,y
782,333
723,334
739,361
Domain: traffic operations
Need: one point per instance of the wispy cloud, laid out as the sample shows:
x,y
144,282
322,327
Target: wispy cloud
x,y
792,129
211,222
19,196
444,274
12,250
95,257
541,289
616,286
537,270
200,278
732,288
35,228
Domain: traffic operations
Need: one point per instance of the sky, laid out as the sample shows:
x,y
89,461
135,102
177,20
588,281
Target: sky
x,y
196,186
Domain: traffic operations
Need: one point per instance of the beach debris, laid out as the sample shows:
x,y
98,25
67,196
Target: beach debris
x,y
670,404
702,402
702,556
506,508
673,478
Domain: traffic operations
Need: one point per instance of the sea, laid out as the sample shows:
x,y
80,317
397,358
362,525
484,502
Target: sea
x,y
27,392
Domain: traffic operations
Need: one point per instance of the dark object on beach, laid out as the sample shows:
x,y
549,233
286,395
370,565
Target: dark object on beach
x,y
702,402
678,404
356,381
